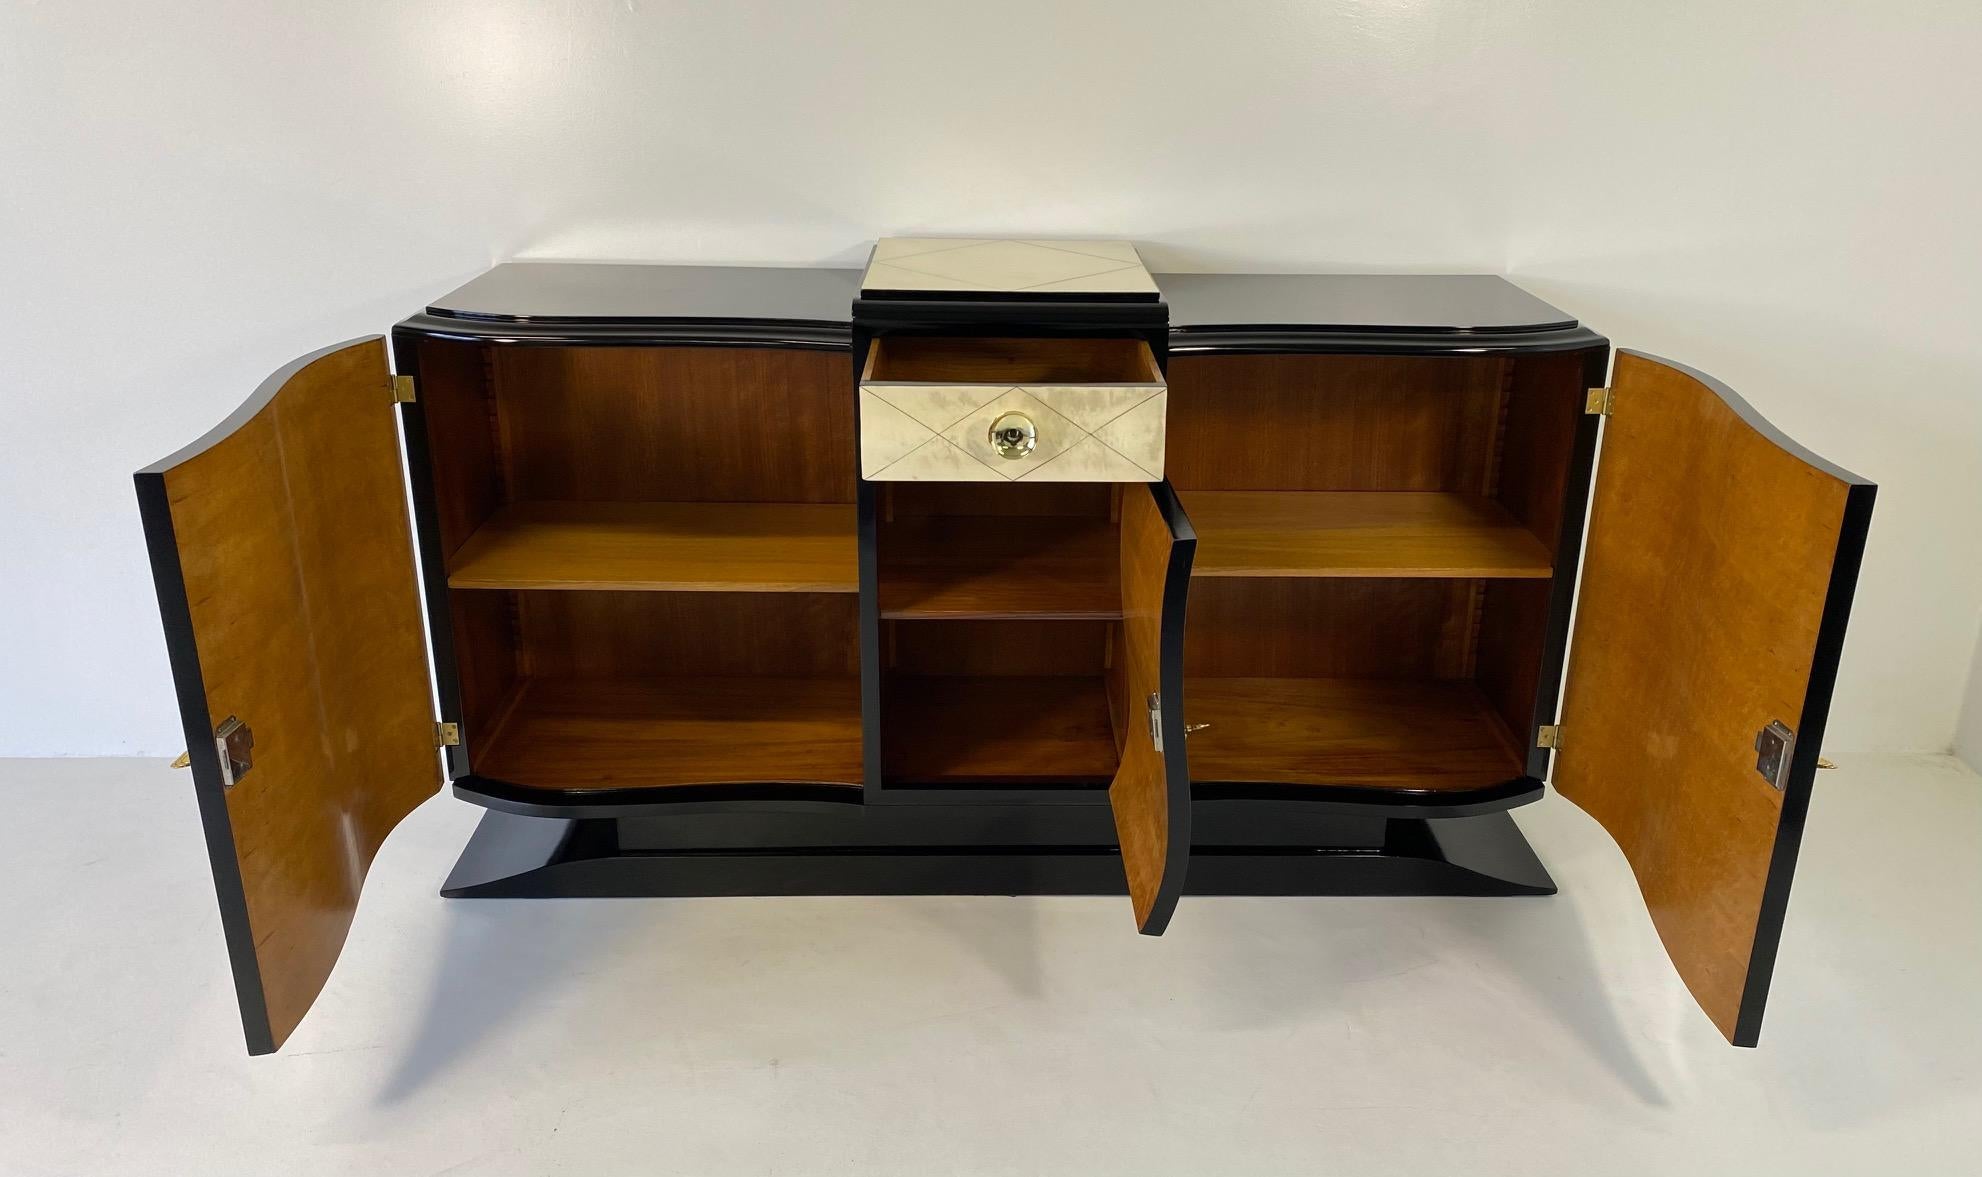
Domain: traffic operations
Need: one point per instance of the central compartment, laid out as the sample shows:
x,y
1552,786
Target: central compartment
x,y
1001,625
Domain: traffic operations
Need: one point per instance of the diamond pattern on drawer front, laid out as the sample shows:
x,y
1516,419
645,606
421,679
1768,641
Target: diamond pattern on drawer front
x,y
1126,449
1091,406
1053,433
937,460
1085,433
1138,434
936,407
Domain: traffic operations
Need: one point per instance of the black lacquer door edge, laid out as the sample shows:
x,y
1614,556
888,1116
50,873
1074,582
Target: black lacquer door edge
x,y
189,685
1803,757
1170,680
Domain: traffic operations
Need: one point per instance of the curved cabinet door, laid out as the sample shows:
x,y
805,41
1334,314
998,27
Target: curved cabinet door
x,y
284,566
1151,792
1716,583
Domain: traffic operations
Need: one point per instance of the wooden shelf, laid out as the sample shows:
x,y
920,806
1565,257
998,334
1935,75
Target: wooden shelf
x,y
998,729
655,733
1377,733
676,547
1359,534
1003,566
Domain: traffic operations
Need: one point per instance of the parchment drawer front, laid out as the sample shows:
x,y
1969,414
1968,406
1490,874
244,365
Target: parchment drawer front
x,y
1011,410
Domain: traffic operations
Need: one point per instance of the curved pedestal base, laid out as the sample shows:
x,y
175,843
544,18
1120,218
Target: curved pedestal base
x,y
997,850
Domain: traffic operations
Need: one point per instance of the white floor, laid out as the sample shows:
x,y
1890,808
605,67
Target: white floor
x,y
929,1036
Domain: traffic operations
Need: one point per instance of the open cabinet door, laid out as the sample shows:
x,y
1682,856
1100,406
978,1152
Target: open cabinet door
x,y
1151,792
284,566
1716,583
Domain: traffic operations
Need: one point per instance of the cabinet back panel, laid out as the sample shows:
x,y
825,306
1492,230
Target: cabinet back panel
x,y
1331,628
455,401
1329,422
642,635
676,424
997,648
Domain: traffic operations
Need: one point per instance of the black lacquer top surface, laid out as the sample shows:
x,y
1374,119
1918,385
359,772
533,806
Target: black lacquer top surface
x,y
565,292
1357,302
573,292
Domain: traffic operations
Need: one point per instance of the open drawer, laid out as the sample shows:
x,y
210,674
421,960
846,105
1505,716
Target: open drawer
x,y
958,409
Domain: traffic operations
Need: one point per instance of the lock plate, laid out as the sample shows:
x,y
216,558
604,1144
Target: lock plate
x,y
235,742
1773,746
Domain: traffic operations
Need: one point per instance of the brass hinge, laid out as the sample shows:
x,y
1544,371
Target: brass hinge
x,y
1548,735
1155,703
1598,402
402,389
447,735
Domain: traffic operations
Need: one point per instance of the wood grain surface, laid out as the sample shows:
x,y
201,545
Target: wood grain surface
x,y
660,732
1376,733
1000,566
685,547
1323,422
296,555
1709,560
1145,792
1275,627
1359,534
675,424
1000,729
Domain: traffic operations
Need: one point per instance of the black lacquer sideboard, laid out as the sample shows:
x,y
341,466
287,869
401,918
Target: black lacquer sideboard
x,y
998,568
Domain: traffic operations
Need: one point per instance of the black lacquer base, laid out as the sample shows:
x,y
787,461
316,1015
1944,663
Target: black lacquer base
x,y
985,850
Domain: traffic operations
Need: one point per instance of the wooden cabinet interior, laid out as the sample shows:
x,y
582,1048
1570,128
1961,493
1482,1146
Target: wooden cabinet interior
x,y
631,532
1376,541
651,561
1001,615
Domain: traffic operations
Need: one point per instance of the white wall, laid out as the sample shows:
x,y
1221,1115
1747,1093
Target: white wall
x,y
191,194
1968,733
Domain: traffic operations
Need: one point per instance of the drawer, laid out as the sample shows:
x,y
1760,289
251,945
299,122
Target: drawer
x,y
1011,410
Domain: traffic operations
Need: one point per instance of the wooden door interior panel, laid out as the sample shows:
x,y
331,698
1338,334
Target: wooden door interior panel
x,y
1717,577
1151,792
283,556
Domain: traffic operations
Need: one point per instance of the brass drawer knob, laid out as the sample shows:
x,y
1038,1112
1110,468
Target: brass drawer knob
x,y
1013,435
